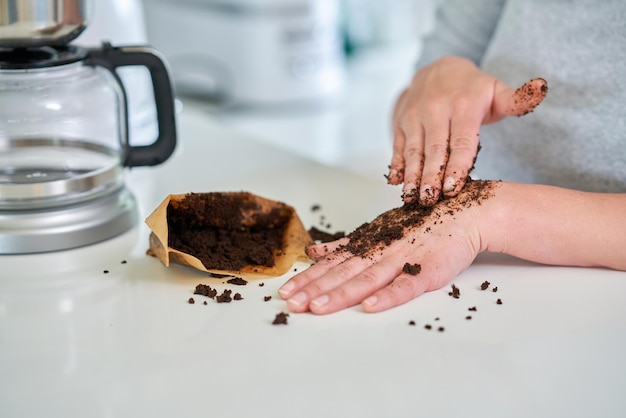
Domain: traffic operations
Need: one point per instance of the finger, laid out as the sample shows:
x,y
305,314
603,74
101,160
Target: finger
x,y
401,290
437,133
318,251
413,161
518,102
464,140
396,169
321,281
353,291
300,280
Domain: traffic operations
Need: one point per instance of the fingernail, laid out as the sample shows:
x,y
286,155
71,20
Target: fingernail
x,y
298,299
426,192
320,301
371,301
448,184
286,289
410,192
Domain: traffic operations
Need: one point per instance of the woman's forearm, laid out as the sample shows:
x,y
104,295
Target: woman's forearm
x,y
557,226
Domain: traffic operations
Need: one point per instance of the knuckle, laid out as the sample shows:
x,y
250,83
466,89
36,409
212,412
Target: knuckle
x,y
367,279
439,149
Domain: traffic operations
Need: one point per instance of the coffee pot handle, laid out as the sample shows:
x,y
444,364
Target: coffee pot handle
x,y
162,148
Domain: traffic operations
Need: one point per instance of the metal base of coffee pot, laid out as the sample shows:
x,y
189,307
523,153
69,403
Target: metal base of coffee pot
x,y
65,227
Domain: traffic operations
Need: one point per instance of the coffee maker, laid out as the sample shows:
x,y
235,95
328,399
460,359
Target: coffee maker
x,y
64,129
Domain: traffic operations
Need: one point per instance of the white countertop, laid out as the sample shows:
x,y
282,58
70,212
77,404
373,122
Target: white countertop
x,y
77,342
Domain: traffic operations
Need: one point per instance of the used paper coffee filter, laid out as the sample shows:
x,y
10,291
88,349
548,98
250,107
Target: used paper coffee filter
x,y
227,233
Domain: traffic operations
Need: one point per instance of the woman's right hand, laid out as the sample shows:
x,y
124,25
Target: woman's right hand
x,y
437,120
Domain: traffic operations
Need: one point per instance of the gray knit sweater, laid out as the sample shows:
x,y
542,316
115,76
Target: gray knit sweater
x,y
577,137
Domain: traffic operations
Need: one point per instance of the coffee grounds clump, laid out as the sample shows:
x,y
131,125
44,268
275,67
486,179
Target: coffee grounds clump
x,y
227,232
280,319
412,269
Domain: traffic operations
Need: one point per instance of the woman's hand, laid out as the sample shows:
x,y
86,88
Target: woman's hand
x,y
437,120
377,264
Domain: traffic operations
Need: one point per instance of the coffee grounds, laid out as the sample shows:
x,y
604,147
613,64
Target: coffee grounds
x,y
191,301
472,309
237,296
396,223
455,293
468,317
225,231
441,329
499,301
484,285
495,289
205,290
267,298
411,322
224,297
428,326
237,281
280,319
321,236
412,269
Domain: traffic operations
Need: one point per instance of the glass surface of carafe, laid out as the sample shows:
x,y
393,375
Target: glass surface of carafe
x,y
64,125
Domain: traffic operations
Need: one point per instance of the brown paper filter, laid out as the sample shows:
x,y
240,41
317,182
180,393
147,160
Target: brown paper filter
x,y
231,233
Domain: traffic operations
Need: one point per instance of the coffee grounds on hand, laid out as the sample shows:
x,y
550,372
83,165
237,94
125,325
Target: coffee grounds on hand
x,y
412,269
395,224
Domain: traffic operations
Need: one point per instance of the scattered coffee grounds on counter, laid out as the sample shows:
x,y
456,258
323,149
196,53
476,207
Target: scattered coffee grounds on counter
x,y
499,301
437,319
280,319
106,271
315,207
191,301
224,297
237,281
495,289
485,285
261,284
428,326
318,235
412,269
468,317
473,309
441,329
123,262
396,223
227,231
205,290
267,298
411,322
237,296
455,293
205,303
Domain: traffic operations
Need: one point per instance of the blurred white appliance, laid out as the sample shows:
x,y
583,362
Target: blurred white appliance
x,y
254,52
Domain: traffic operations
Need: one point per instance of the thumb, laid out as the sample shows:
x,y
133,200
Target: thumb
x,y
518,102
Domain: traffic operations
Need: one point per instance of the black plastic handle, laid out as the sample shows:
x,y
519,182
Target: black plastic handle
x,y
162,148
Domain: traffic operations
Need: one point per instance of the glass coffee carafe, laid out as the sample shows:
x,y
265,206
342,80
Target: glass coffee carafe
x,y
64,139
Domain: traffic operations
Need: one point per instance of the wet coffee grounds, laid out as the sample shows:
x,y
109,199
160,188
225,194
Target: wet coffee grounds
x,y
472,309
224,297
320,236
237,296
455,293
412,269
191,301
411,322
205,290
267,298
227,231
495,289
484,285
499,301
280,319
237,281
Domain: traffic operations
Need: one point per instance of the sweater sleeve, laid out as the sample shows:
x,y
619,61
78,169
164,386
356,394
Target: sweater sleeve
x,y
462,28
